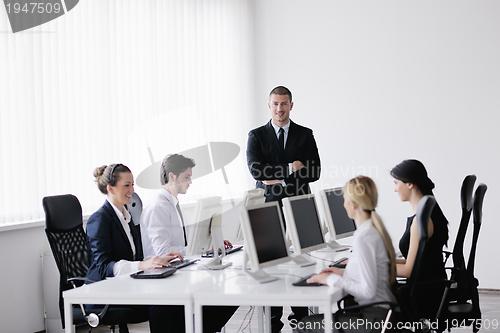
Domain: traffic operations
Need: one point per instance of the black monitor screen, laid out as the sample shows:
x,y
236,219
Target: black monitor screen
x,y
342,223
267,233
307,222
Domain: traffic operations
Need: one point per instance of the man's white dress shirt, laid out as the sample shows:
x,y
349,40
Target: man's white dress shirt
x,y
286,128
161,227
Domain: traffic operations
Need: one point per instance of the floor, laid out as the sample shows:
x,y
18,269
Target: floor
x,y
245,319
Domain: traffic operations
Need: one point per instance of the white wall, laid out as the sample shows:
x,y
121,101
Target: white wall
x,y
378,82
21,305
383,81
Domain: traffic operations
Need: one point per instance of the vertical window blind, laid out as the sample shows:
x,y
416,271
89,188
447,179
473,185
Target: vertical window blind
x,y
121,81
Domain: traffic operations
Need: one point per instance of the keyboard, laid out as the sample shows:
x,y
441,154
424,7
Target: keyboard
x,y
154,273
303,282
229,250
337,263
182,263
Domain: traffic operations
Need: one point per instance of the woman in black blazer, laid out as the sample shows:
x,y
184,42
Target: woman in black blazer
x,y
114,243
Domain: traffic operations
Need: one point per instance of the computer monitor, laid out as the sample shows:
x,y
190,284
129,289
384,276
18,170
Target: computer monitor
x,y
251,197
336,220
207,232
303,226
265,244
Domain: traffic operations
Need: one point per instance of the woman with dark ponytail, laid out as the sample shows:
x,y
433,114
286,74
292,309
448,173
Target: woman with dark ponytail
x,y
412,183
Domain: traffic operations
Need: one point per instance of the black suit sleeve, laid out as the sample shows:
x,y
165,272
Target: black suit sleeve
x,y
100,245
259,168
310,158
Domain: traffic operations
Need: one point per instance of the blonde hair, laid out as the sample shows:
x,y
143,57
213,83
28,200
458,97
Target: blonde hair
x,y
362,192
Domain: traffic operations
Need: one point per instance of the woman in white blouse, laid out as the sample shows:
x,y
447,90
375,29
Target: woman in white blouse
x,y
371,271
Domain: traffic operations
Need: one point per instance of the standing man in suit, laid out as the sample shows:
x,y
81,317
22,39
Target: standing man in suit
x,y
283,165
283,158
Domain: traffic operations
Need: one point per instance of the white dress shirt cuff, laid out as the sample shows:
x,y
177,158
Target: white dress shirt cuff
x,y
289,173
125,267
334,280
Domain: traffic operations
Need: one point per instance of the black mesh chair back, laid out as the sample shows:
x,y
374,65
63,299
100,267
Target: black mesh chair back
x,y
466,200
465,309
417,298
424,210
67,240
472,282
458,271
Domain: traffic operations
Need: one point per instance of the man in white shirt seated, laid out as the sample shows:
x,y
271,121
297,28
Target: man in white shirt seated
x,y
162,223
163,226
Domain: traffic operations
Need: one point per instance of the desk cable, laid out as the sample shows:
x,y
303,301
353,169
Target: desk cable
x,y
318,258
250,312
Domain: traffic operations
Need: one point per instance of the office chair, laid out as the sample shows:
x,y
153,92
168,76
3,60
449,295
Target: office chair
x,y
460,311
466,201
68,242
135,208
356,309
414,296
458,271
412,310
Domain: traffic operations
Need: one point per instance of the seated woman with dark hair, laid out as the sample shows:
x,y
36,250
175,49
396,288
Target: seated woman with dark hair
x,y
412,183
114,243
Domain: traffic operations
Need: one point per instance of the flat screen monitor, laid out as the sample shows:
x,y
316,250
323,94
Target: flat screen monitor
x,y
303,225
265,244
206,231
250,198
337,222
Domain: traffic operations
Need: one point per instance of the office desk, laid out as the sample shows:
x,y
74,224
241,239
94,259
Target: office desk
x,y
173,290
190,286
276,293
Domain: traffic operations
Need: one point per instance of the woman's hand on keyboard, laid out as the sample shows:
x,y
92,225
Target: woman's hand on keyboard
x,y
318,278
323,276
334,270
157,262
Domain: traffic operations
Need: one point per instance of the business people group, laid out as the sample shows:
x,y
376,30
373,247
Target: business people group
x,y
283,158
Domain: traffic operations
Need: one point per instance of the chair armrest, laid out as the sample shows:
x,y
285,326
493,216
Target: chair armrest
x,y
84,279
392,306
454,272
447,255
92,321
409,289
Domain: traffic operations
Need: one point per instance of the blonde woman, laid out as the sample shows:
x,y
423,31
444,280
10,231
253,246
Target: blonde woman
x,y
371,272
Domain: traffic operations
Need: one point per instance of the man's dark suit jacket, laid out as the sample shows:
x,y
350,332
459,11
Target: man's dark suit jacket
x,y
107,243
267,161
